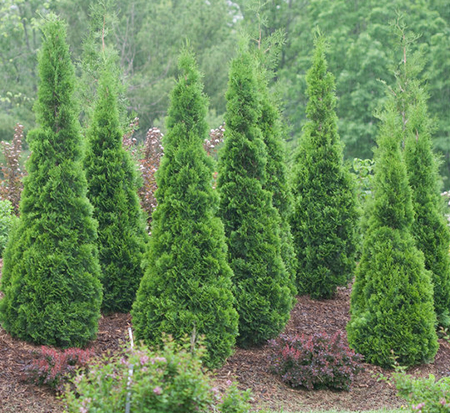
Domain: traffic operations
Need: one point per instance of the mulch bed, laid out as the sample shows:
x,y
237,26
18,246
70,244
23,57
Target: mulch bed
x,y
248,367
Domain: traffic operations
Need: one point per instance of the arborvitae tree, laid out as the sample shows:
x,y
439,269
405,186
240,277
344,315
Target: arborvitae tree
x,y
50,274
187,286
276,174
392,315
429,227
252,224
325,215
112,190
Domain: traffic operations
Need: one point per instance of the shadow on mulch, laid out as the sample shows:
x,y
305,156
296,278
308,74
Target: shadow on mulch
x,y
249,367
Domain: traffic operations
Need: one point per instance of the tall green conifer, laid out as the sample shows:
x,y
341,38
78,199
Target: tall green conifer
x,y
112,190
325,214
429,227
276,173
252,224
392,316
51,270
187,286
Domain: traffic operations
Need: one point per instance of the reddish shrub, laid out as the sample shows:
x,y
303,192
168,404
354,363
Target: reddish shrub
x,y
315,361
56,367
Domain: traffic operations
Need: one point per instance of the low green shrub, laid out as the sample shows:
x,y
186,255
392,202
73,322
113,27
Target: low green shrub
x,y
424,395
316,361
170,380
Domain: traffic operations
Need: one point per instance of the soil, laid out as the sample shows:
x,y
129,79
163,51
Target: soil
x,y
248,367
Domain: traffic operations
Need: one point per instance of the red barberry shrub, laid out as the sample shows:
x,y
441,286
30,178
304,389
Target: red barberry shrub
x,y
11,186
55,368
317,361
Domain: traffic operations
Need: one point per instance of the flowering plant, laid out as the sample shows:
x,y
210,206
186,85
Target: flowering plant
x,y
424,395
168,380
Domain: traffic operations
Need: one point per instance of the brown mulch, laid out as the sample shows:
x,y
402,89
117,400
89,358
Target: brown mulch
x,y
248,367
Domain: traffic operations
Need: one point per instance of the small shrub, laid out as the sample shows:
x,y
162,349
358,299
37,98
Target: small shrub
x,y
424,395
169,380
315,361
7,219
55,368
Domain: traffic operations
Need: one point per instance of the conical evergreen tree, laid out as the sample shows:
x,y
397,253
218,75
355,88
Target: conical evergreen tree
x,y
112,190
50,273
429,227
325,214
392,316
187,286
276,173
252,224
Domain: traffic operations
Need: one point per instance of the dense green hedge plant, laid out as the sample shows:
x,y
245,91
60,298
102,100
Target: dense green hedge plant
x,y
252,224
187,286
277,182
112,190
392,314
52,293
429,228
170,380
325,217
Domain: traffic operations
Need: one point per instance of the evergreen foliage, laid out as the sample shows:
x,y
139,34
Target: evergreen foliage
x,y
325,213
112,190
392,316
429,227
187,286
276,173
50,274
252,224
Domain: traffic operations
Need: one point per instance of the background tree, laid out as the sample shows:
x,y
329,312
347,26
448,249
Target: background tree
x,y
392,314
50,273
112,190
187,286
325,214
252,224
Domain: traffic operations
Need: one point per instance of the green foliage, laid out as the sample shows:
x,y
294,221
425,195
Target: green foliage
x,y
187,285
392,316
429,228
112,190
7,220
325,212
424,395
51,270
170,380
252,224
276,174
